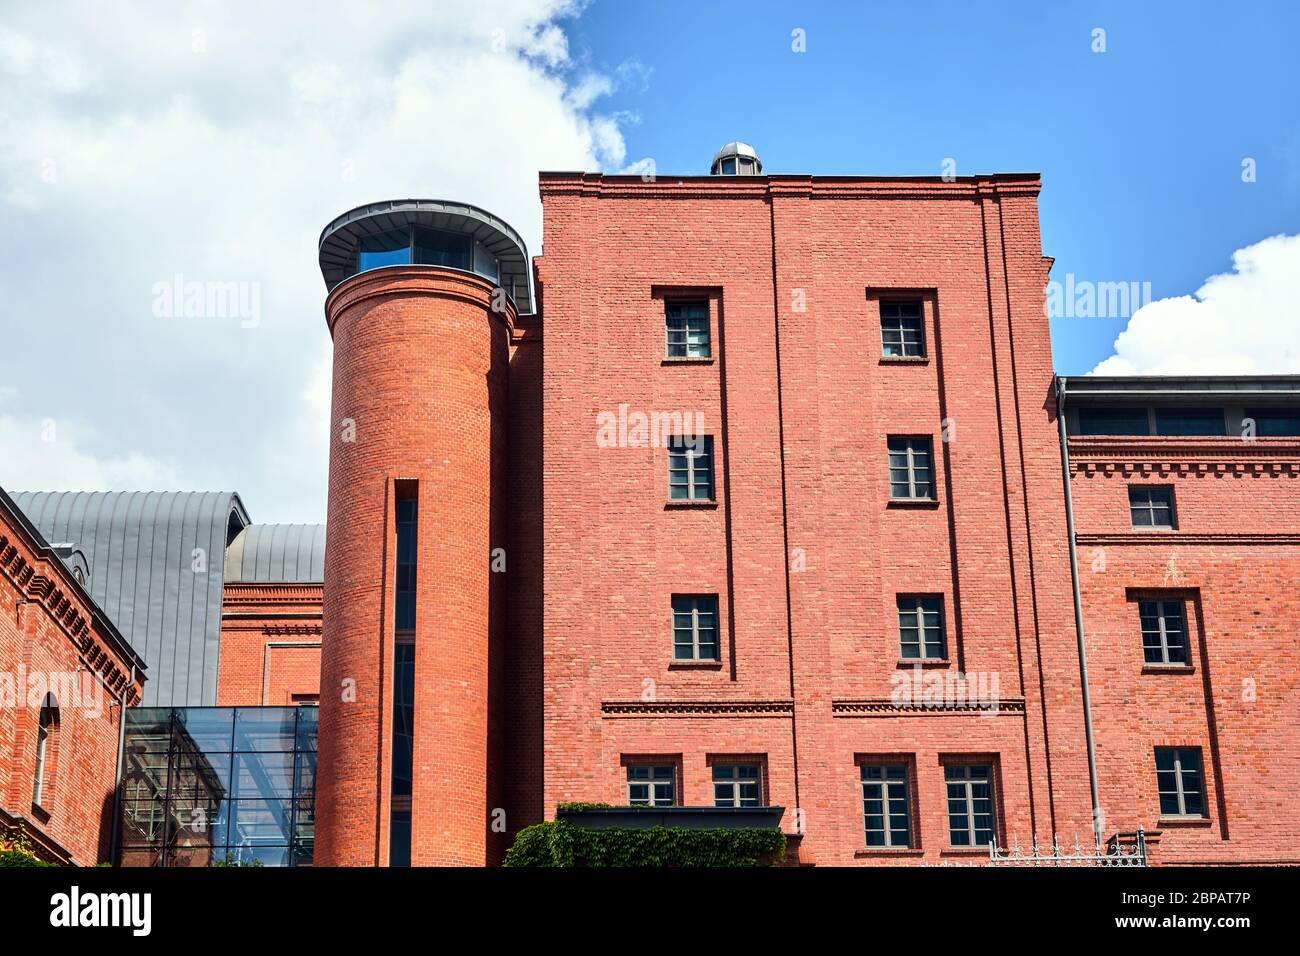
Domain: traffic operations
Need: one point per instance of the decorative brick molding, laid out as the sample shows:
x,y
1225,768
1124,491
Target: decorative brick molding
x,y
883,707
1181,456
64,609
697,708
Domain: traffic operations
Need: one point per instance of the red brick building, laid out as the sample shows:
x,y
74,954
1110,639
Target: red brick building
x,y
761,500
66,677
754,490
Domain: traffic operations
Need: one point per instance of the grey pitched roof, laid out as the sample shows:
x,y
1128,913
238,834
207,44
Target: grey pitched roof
x,y
157,567
277,554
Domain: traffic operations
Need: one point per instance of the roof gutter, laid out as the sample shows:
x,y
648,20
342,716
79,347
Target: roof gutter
x,y
1078,610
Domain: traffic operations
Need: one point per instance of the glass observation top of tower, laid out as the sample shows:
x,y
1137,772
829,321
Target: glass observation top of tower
x,y
427,232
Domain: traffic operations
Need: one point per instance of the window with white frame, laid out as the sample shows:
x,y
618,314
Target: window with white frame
x,y
687,324
695,627
1179,782
886,811
652,785
690,468
737,785
911,469
970,804
1164,631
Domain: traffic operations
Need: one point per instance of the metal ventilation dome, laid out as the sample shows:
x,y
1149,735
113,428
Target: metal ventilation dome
x,y
736,159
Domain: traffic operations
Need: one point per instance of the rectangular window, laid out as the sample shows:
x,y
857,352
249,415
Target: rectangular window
x,y
1100,420
885,807
970,804
1178,780
695,627
1151,506
1275,422
911,472
690,468
1190,421
920,628
399,831
737,785
651,785
902,331
688,329
1164,632
436,248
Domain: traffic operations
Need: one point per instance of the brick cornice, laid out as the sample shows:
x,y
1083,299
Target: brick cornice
x,y
1168,538
1184,456
788,186
422,280
35,586
884,707
697,708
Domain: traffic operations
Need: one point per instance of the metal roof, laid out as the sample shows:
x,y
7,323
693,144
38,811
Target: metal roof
x,y
738,150
277,554
157,564
338,240
1178,388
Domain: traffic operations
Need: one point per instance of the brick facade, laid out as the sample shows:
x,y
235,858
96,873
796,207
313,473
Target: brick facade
x,y
54,640
270,645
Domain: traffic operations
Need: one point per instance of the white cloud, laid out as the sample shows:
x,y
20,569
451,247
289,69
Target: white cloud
x,y
1244,322
142,141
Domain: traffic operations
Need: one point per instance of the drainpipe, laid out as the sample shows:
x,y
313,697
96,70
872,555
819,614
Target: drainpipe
x,y
1078,609
121,754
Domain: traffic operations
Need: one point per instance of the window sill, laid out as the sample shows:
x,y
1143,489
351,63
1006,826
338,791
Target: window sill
x,y
909,663
1167,669
924,503
1152,529
686,360
887,851
695,665
905,360
687,504
1185,822
40,813
965,851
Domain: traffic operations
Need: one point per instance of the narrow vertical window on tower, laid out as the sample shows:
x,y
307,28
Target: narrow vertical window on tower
x,y
399,838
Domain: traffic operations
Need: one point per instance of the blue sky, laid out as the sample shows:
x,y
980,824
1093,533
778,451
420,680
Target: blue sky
x,y
1140,147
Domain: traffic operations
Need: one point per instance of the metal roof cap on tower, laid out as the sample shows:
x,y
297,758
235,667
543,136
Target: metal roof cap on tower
x,y
746,162
339,240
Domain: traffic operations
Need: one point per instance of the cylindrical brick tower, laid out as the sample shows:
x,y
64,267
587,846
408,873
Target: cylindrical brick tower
x,y
422,298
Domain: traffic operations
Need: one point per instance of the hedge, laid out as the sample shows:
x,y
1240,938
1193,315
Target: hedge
x,y
557,843
19,858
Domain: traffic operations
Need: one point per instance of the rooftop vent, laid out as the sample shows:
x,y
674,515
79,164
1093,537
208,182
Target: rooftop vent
x,y
736,159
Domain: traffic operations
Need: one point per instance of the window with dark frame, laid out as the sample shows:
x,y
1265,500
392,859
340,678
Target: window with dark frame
x,y
651,785
911,469
690,468
1179,420
1108,420
46,723
1151,506
886,811
687,324
1179,782
1164,631
920,628
695,627
902,328
970,804
1275,422
737,785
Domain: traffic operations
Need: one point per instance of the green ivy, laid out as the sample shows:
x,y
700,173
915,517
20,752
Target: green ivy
x,y
19,858
557,843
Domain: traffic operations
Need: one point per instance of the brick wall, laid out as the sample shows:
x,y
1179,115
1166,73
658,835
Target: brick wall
x,y
270,645
52,640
